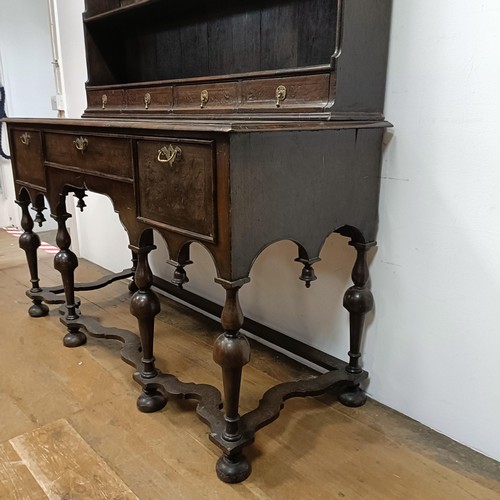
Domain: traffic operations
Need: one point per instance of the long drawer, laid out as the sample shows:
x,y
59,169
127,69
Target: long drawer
x,y
106,155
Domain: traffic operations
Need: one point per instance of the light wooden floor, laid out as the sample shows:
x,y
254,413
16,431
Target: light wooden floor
x,y
70,430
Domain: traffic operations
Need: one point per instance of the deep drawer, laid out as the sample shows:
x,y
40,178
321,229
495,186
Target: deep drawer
x,y
26,147
176,185
106,155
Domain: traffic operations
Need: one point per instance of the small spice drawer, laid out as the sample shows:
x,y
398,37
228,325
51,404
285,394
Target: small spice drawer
x,y
149,99
105,100
106,155
284,94
176,185
210,97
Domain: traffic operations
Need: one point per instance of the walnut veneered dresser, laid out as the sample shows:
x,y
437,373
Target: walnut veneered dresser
x,y
230,124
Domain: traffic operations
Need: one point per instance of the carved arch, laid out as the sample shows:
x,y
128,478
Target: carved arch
x,y
121,195
308,252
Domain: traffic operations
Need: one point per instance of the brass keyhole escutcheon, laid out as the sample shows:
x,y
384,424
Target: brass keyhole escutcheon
x,y
104,101
168,154
147,100
204,98
25,139
280,95
81,144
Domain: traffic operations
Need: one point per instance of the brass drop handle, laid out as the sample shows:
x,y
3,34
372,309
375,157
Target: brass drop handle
x,y
280,95
104,101
204,98
169,154
147,100
25,139
81,144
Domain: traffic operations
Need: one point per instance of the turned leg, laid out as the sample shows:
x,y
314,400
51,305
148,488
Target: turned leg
x,y
29,242
145,306
66,262
232,352
358,300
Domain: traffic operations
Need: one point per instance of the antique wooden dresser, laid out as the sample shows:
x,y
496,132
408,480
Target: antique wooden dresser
x,y
231,124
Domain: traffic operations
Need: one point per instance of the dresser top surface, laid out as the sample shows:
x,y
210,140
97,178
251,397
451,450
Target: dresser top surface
x,y
221,126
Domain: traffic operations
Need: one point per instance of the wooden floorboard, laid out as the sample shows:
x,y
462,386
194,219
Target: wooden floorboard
x,y
65,466
70,428
16,481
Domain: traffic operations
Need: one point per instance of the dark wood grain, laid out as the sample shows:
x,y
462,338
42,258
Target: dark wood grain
x,y
363,58
220,34
245,42
334,173
138,52
233,125
26,149
29,241
316,30
104,66
154,41
160,98
181,195
302,92
194,50
108,155
278,46
105,100
221,97
169,52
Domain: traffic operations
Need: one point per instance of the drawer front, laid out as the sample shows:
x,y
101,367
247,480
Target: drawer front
x,y
145,99
106,155
215,96
178,194
105,100
27,154
282,94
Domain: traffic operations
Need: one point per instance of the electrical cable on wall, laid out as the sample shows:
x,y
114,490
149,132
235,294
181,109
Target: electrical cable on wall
x,y
3,114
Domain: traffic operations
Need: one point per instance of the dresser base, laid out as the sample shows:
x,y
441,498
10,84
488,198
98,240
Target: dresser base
x,y
232,467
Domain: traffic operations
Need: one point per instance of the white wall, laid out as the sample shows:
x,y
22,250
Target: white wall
x,y
71,49
432,345
27,76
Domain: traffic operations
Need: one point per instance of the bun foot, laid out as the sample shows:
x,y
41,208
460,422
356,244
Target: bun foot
x,y
353,397
151,400
233,469
38,310
74,339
